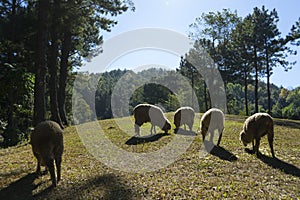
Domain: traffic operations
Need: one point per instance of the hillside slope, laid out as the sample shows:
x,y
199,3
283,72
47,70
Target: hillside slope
x,y
227,172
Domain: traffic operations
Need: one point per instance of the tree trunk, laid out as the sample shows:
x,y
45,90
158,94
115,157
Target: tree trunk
x,y
41,62
256,80
205,96
53,68
66,48
246,92
192,89
53,63
268,80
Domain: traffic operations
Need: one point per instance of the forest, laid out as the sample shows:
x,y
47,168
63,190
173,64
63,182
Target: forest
x,y
284,102
44,42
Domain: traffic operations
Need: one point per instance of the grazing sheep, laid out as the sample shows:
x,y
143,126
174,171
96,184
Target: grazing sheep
x,y
149,113
47,146
255,127
212,120
184,116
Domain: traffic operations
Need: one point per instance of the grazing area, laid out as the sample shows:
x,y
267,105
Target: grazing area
x,y
227,172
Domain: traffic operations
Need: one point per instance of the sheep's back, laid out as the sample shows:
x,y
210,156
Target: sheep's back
x,y
184,115
258,123
149,113
217,116
45,134
141,113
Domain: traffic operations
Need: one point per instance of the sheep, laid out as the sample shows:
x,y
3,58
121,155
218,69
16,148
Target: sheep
x,y
255,127
184,116
47,146
212,120
149,113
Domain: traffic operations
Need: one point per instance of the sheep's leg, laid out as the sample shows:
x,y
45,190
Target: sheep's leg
x,y
137,129
220,136
253,146
270,140
191,127
58,167
256,147
176,130
151,130
184,127
38,168
203,136
271,147
212,133
50,165
38,158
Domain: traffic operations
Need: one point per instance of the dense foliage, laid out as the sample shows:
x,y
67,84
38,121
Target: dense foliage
x,y
285,103
41,43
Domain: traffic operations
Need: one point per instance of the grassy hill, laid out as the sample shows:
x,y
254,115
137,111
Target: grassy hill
x,y
227,172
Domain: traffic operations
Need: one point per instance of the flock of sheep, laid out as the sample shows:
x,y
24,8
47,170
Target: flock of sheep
x,y
47,137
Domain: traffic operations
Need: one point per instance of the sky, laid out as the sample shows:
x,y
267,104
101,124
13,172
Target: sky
x,y
177,15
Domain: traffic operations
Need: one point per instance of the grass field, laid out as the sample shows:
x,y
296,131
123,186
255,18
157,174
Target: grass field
x,y
228,172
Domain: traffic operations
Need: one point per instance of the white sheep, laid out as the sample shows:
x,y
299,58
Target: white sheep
x,y
255,127
149,113
212,120
47,146
184,116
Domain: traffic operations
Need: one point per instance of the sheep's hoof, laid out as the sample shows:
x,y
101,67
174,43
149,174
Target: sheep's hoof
x,y
250,151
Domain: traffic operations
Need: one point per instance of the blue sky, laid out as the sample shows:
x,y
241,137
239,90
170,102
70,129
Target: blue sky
x,y
177,15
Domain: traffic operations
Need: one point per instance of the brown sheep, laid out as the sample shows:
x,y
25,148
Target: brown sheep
x,y
149,113
47,146
255,127
217,123
184,116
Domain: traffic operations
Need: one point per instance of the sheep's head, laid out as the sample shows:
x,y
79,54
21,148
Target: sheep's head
x,y
166,127
244,139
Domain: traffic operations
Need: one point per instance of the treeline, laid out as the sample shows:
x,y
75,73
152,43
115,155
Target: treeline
x,y
158,91
243,49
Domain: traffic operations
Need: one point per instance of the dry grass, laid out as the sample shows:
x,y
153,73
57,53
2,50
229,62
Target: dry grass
x,y
228,172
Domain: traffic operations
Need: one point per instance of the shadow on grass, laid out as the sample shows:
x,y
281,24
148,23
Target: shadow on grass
x,y
281,165
220,152
145,139
106,186
22,188
249,151
15,172
291,124
181,131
